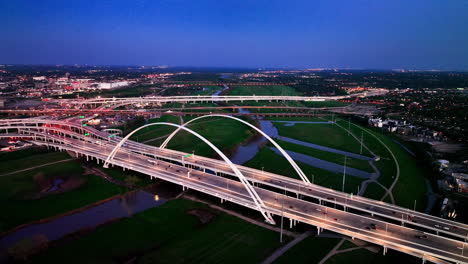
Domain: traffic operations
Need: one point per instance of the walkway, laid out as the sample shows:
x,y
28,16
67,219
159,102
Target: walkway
x,y
280,251
36,167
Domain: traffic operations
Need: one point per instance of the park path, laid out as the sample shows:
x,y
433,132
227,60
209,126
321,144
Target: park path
x,y
36,167
280,251
238,215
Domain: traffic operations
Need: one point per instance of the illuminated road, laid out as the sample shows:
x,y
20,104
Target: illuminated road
x,y
212,98
134,156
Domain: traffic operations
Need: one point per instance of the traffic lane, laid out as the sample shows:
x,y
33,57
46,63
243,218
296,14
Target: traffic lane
x,y
241,188
394,233
406,216
333,215
335,198
310,190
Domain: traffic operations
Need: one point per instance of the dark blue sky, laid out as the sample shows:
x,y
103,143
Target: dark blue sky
x,y
421,34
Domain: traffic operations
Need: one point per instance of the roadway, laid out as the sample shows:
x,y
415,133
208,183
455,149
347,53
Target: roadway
x,y
363,227
211,98
321,194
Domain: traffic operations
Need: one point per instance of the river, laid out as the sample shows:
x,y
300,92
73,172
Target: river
x,y
123,206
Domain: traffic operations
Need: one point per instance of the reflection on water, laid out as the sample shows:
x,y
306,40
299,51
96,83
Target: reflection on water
x,y
248,151
123,206
220,91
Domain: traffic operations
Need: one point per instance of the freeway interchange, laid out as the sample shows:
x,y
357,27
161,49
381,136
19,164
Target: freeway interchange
x,y
432,238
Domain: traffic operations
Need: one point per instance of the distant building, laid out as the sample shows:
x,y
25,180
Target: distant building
x,y
111,85
39,78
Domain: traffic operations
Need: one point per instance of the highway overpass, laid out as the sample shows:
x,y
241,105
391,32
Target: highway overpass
x,y
281,195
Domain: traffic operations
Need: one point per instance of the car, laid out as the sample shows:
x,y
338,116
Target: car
x,y
368,228
420,236
446,228
438,226
336,219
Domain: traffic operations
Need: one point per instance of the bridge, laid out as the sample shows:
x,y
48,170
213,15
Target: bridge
x,y
271,194
175,111
210,98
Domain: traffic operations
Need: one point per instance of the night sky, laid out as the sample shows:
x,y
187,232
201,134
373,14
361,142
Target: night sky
x,y
384,34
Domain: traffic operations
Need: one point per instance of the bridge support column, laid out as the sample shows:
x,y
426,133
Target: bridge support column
x,y
384,250
423,260
87,158
318,230
290,223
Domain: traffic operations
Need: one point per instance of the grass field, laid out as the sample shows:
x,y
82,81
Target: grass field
x,y
19,210
223,133
366,256
327,135
410,185
275,163
327,156
157,130
308,119
22,159
168,234
374,191
310,250
262,90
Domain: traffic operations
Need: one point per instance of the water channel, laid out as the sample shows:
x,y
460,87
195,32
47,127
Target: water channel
x,y
123,206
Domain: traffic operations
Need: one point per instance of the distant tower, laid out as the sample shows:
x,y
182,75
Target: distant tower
x,y
67,75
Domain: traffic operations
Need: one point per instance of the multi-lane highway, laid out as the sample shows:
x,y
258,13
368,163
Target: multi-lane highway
x,y
210,98
415,238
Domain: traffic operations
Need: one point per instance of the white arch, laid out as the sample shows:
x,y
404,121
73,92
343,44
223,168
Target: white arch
x,y
258,201
285,154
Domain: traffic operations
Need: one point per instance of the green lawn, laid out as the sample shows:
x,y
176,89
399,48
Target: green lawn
x,y
374,191
168,234
326,155
310,250
366,256
156,130
411,185
14,188
327,135
23,159
277,164
308,119
223,133
262,90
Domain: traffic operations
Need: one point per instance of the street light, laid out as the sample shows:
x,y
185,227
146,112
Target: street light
x,y
344,174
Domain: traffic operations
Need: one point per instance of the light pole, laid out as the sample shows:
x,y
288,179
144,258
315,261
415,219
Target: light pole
x,y
349,125
362,136
282,214
344,174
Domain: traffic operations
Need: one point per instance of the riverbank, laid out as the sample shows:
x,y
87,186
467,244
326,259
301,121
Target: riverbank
x,y
170,233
